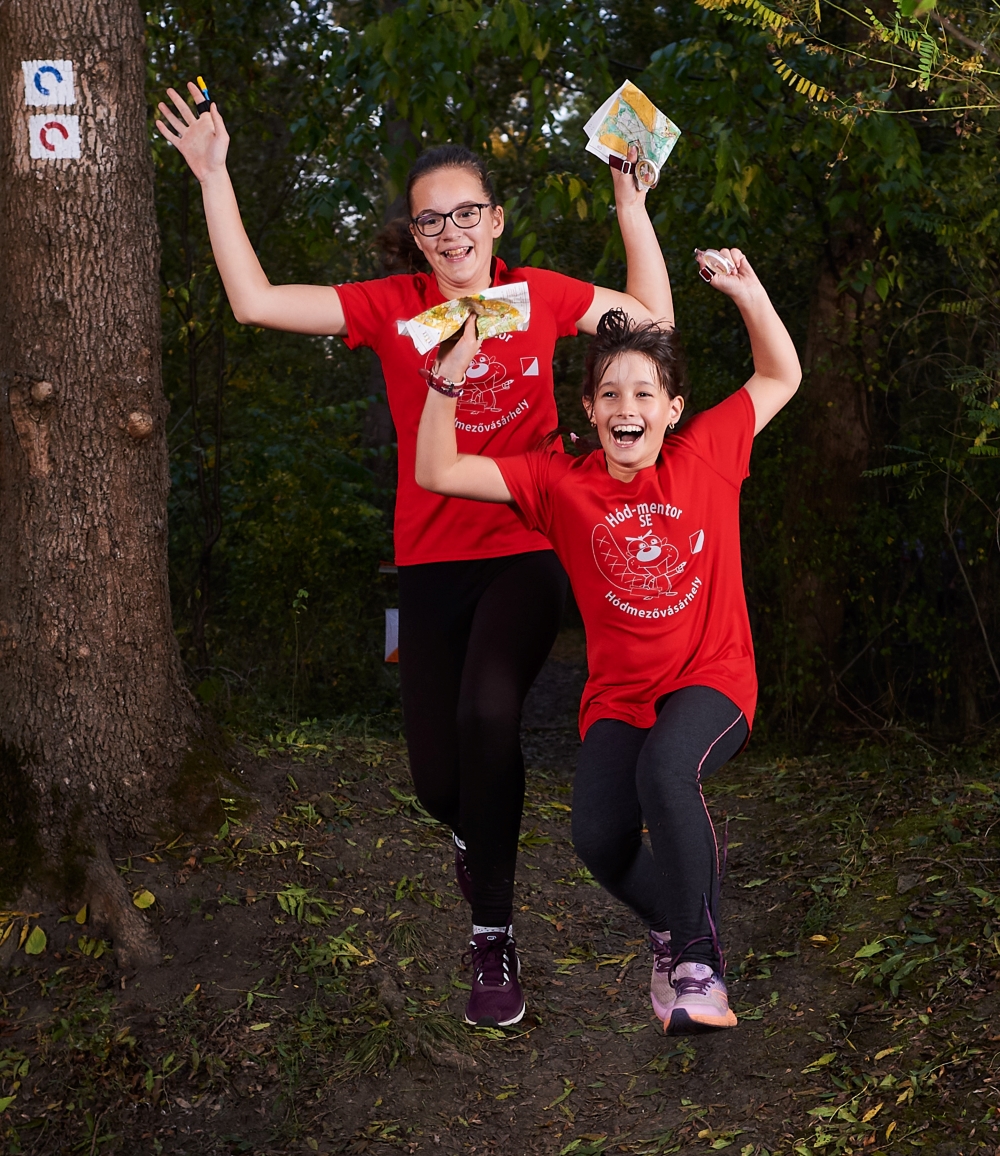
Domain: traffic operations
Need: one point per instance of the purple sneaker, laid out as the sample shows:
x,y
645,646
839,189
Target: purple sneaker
x,y
462,874
496,1000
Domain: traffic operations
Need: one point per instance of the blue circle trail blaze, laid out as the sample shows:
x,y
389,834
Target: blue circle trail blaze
x,y
38,78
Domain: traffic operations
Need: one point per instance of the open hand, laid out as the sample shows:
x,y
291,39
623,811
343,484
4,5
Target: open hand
x,y
201,140
742,284
455,355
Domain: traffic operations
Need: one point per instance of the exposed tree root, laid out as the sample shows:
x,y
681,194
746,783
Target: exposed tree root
x,y
112,914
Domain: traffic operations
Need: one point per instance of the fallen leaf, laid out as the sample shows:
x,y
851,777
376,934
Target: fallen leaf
x,y
869,950
143,899
36,941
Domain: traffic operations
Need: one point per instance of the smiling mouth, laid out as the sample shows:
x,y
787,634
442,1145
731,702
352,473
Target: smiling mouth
x,y
627,435
456,254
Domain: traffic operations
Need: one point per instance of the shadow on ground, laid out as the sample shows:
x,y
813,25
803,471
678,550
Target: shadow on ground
x,y
312,992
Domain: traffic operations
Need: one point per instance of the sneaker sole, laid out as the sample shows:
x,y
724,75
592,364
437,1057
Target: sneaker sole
x,y
682,1023
490,1022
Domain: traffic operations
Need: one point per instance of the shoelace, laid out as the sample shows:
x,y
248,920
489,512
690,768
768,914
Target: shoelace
x,y
490,966
713,938
661,955
690,985
725,853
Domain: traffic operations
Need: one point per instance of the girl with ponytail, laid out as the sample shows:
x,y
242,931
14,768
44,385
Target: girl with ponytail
x,y
481,595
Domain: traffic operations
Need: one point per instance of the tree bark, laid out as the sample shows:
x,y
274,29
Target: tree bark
x,y
95,718
834,440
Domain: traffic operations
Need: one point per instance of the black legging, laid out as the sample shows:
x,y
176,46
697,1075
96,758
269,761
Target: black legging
x,y
472,637
628,773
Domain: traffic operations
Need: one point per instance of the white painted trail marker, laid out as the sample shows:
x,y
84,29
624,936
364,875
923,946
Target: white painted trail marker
x,y
54,136
48,82
392,636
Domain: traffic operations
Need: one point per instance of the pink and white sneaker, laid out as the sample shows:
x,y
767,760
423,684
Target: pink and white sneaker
x,y
701,1002
661,987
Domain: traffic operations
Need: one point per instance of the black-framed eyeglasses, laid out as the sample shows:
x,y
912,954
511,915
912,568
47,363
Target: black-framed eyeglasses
x,y
465,217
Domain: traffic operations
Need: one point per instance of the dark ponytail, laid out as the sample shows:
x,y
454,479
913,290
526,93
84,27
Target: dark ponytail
x,y
399,250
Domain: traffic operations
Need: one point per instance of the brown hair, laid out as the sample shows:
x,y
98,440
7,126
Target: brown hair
x,y
616,334
399,250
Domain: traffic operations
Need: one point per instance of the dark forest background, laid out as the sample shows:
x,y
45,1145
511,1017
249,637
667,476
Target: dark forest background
x,y
853,156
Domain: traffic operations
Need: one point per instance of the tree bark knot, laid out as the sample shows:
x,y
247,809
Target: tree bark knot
x,y
30,411
140,425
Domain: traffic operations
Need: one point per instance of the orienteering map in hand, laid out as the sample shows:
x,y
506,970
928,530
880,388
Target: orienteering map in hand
x,y
499,309
628,117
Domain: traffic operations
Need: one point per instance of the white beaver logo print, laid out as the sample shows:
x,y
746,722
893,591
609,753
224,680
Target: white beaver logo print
x,y
647,565
485,378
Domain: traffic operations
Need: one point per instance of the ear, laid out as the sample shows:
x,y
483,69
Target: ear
x,y
676,408
588,408
498,221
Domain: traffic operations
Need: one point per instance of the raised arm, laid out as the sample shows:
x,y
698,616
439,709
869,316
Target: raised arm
x,y
203,142
776,369
647,288
440,467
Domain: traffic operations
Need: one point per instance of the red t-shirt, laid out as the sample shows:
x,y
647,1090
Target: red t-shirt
x,y
510,408
655,564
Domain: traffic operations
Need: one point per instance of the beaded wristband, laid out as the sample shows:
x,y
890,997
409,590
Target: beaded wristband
x,y
442,384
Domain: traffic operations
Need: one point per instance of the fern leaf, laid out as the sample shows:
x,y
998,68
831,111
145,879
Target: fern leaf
x,y
802,85
763,16
928,53
884,34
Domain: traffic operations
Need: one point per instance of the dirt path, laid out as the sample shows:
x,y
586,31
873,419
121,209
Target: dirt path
x,y
312,995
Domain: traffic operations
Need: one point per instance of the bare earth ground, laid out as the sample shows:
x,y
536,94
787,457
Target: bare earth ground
x,y
312,995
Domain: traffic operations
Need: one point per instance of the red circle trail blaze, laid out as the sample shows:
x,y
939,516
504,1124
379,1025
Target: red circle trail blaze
x,y
53,124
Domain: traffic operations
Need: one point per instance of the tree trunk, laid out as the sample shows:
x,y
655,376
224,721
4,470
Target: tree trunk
x,y
834,439
95,718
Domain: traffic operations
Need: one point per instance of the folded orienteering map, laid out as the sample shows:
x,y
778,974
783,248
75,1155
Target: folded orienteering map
x,y
498,310
629,117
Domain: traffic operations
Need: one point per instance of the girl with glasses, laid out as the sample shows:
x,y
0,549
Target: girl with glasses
x,y
481,596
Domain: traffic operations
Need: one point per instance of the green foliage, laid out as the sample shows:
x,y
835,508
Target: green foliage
x,y
303,905
901,201
276,487
825,140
